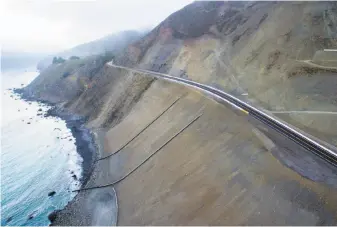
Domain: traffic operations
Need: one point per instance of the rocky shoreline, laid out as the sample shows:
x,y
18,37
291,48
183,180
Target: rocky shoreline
x,y
90,207
86,145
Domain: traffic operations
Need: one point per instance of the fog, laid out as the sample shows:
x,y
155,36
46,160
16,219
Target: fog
x,y
50,26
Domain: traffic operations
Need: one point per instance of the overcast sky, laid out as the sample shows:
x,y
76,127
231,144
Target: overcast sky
x,y
49,26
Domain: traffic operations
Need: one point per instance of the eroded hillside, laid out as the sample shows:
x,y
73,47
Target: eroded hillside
x,y
217,171
258,51
267,53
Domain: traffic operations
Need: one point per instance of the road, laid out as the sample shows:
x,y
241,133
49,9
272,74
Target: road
x,y
311,144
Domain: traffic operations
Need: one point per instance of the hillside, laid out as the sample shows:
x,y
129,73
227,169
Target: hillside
x,y
218,172
114,42
258,51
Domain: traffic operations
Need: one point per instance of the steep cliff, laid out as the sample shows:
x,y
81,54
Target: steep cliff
x,y
258,51
252,47
217,171
261,52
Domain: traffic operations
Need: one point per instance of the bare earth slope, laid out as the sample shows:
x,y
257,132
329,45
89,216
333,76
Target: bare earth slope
x,y
255,49
217,171
211,174
250,48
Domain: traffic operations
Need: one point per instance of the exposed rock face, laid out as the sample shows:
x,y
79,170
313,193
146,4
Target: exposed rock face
x,y
193,20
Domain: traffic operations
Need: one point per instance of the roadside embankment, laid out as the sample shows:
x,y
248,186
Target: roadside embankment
x,y
216,171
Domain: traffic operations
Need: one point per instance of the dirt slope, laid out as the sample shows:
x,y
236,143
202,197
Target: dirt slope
x,y
217,171
253,48
212,174
253,45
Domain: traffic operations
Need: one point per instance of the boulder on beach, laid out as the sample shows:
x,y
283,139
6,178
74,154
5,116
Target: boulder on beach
x,y
75,177
28,123
52,216
39,109
51,193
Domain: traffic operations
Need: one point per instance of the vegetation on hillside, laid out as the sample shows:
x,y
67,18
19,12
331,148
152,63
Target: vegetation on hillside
x,y
74,58
58,60
114,42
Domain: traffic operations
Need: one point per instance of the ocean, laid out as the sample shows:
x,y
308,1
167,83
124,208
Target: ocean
x,y
38,156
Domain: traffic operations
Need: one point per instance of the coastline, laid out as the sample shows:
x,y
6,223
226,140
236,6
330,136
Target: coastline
x,y
87,146
90,207
85,143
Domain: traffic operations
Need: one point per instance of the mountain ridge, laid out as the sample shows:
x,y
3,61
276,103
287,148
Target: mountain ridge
x,y
113,42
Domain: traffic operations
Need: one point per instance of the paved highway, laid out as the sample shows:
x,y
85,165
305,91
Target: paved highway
x,y
309,144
